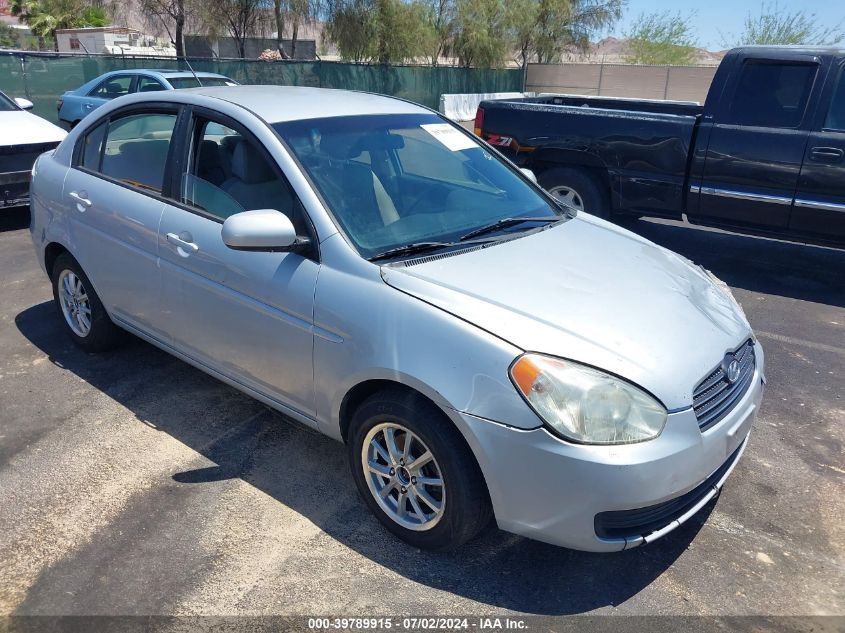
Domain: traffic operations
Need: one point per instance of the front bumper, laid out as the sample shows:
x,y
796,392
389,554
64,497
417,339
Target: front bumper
x,y
550,490
14,188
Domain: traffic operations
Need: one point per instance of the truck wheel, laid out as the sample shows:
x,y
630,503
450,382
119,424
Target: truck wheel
x,y
577,188
415,472
82,311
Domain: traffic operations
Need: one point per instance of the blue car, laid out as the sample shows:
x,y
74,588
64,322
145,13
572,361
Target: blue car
x,y
75,105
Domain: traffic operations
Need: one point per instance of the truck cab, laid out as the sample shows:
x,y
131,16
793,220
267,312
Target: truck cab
x,y
770,144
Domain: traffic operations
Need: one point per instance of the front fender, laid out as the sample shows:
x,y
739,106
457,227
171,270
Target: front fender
x,y
368,330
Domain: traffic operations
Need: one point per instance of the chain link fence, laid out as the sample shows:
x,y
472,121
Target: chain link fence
x,y
42,78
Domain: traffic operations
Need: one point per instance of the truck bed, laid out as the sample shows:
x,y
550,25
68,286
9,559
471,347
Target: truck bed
x,y
654,106
644,145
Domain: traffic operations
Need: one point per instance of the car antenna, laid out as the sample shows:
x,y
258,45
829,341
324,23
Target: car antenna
x,y
191,68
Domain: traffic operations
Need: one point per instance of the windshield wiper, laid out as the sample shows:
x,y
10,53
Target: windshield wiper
x,y
505,223
409,249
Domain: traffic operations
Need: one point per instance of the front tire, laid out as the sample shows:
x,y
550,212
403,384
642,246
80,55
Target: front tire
x,y
416,473
577,188
82,312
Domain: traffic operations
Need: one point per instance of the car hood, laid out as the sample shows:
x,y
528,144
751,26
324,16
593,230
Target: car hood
x,y
592,292
19,127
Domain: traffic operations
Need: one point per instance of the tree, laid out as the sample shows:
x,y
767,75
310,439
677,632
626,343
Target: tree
x,y
548,28
481,33
239,17
440,27
403,33
661,38
8,37
171,15
385,31
352,27
776,25
44,17
300,11
279,11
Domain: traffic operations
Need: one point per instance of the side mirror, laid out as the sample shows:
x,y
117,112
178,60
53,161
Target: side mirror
x,y
260,230
26,104
528,174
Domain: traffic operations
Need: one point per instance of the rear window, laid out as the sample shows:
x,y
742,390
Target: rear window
x,y
772,94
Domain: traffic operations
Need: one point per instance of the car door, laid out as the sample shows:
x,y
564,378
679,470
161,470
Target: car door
x,y
110,88
146,83
819,209
246,315
113,197
757,144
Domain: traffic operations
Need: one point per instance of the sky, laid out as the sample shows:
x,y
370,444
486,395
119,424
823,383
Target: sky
x,y
714,17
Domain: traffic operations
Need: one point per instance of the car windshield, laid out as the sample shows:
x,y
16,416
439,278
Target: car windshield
x,y
403,179
208,82
6,104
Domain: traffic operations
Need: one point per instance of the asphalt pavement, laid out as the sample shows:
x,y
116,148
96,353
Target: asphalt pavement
x,y
132,483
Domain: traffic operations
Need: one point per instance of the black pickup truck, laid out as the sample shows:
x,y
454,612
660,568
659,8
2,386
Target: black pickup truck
x,y
764,155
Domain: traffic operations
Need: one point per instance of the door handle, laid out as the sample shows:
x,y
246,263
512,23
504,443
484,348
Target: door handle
x,y
826,154
89,105
81,198
183,243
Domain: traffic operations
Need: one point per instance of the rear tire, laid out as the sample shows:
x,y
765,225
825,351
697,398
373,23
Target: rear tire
x,y
81,310
428,515
577,188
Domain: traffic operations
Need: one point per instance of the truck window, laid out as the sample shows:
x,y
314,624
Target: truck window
x,y
772,94
836,115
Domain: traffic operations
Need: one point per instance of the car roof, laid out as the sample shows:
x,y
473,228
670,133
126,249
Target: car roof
x,y
163,72
290,103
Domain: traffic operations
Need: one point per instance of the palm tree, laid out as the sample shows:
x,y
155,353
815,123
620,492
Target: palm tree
x,y
43,17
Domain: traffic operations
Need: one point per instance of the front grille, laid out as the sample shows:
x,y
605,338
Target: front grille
x,y
619,524
21,157
715,396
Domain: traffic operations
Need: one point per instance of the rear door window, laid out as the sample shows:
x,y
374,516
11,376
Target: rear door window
x,y
836,114
149,84
772,94
136,149
113,87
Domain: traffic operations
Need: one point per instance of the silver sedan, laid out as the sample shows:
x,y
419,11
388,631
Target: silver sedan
x,y
370,269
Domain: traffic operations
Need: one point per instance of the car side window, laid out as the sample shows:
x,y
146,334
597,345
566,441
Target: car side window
x,y
136,148
228,173
148,84
112,87
91,150
836,114
772,94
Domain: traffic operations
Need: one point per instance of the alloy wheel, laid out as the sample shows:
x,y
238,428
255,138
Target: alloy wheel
x,y
75,304
403,476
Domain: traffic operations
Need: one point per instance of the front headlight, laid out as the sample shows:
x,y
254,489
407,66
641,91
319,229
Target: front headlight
x,y
587,405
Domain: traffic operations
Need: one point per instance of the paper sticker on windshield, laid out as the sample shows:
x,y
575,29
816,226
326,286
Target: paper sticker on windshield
x,y
449,136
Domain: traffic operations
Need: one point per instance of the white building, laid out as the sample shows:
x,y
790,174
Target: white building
x,y
111,40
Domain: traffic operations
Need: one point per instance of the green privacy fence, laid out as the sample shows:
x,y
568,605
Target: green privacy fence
x,y
42,78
